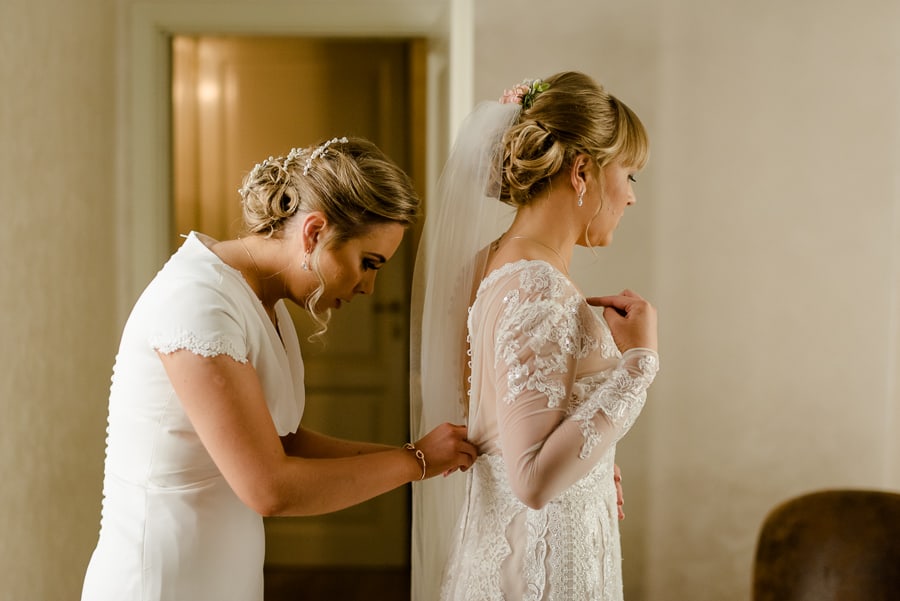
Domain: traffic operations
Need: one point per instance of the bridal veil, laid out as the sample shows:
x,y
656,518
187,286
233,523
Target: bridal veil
x,y
463,219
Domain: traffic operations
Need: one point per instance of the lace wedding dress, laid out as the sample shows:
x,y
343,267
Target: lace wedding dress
x,y
550,395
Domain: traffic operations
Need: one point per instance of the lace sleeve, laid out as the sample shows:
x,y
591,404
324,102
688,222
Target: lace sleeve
x,y
614,400
549,441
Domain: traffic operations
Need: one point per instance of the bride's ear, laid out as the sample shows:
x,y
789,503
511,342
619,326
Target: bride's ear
x,y
580,172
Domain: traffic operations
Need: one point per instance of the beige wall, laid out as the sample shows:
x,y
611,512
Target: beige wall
x,y
765,233
779,130
56,291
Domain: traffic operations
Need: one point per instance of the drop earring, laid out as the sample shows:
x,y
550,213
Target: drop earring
x,y
581,197
306,261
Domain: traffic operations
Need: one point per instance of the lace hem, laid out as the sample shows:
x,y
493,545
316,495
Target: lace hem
x,y
191,342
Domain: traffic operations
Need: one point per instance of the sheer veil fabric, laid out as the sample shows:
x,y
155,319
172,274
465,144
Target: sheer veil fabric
x,y
464,218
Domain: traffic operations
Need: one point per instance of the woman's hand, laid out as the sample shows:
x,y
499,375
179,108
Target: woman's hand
x,y
446,450
620,495
631,319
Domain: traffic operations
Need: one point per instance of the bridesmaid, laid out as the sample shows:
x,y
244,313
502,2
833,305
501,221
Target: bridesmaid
x,y
205,434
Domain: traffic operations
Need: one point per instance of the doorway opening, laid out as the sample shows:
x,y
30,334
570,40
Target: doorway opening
x,y
237,100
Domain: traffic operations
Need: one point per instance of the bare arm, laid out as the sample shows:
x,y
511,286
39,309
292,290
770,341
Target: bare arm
x,y
311,444
224,401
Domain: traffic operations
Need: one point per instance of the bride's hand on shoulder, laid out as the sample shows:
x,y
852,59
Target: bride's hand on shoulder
x,y
631,319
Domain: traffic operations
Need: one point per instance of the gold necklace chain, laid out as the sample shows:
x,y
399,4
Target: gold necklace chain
x,y
269,311
249,254
547,246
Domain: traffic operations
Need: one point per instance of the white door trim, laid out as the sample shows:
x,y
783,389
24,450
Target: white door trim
x,y
144,189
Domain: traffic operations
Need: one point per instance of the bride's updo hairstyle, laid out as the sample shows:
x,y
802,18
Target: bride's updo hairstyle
x,y
563,116
349,180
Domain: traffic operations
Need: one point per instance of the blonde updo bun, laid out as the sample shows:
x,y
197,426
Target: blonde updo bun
x,y
573,115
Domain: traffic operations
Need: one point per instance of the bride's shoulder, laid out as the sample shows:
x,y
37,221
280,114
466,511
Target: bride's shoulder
x,y
530,276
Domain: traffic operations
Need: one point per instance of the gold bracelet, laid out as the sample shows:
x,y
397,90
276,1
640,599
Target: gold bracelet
x,y
419,455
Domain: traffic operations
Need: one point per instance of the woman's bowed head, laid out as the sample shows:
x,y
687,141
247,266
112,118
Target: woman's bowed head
x,y
338,210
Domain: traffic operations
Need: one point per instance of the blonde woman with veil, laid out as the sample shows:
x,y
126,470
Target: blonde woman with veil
x,y
510,346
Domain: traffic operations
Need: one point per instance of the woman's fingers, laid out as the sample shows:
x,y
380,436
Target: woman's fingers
x,y
447,450
631,319
620,495
623,303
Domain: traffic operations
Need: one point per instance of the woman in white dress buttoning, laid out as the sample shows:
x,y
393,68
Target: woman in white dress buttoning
x,y
551,384
207,395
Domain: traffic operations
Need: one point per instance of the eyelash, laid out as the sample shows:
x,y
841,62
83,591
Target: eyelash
x,y
631,178
367,264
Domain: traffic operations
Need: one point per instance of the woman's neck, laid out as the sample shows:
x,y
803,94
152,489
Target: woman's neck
x,y
252,260
546,220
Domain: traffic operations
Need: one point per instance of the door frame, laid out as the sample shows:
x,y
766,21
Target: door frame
x,y
144,161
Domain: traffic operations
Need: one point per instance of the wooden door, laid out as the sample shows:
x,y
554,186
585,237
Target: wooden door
x,y
237,100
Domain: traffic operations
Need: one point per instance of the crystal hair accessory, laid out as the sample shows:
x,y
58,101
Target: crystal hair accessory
x,y
293,155
524,93
257,171
319,152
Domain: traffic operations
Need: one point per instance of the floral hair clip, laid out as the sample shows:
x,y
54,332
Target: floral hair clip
x,y
524,93
319,152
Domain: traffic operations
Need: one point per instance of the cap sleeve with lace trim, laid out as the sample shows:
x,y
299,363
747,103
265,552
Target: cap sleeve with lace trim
x,y
200,304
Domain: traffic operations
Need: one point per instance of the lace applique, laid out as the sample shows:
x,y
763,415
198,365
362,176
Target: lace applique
x,y
191,342
548,315
619,394
569,549
494,503
537,526
608,348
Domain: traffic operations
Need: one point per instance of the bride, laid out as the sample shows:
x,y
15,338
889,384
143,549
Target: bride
x,y
549,384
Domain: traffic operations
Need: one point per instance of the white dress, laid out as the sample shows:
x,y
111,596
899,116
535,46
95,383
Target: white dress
x,y
550,395
171,526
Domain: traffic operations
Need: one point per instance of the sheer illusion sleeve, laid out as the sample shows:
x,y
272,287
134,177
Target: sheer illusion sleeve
x,y
554,428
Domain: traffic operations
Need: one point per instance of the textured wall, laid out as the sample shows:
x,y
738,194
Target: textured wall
x,y
56,289
776,266
765,232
